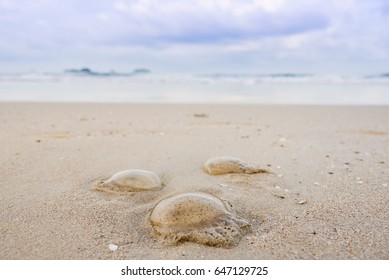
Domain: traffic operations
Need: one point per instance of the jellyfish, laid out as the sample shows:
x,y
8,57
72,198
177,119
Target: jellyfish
x,y
133,180
197,217
224,165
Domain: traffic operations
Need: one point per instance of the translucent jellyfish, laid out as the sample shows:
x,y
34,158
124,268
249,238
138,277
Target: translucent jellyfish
x,y
224,165
197,217
132,181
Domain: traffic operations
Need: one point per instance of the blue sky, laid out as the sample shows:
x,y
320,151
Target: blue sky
x,y
203,36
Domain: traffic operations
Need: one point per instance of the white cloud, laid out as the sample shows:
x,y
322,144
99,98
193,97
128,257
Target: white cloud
x,y
212,21
231,29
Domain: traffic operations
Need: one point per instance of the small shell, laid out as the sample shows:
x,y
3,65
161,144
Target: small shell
x,y
224,165
197,217
301,202
113,247
132,181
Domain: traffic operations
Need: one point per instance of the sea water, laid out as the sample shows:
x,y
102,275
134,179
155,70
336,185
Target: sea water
x,y
203,88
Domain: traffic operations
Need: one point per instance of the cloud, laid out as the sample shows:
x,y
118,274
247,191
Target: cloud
x,y
148,21
204,22
208,30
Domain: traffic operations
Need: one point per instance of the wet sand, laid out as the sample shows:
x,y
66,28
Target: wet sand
x,y
326,195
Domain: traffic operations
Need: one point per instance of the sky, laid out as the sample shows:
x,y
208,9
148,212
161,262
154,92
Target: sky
x,y
196,36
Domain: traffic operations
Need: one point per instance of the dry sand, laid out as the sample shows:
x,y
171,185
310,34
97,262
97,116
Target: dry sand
x,y
326,198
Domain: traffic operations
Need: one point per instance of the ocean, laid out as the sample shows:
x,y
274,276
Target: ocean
x,y
146,87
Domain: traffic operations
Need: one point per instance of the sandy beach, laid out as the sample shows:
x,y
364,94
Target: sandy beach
x,y
326,195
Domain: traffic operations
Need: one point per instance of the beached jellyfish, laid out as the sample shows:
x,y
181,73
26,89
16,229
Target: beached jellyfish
x,y
133,180
224,165
197,217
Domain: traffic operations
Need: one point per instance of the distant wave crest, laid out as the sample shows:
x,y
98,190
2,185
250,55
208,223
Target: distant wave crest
x,y
142,75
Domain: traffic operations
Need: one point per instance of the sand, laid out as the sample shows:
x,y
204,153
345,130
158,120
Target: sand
x,y
326,195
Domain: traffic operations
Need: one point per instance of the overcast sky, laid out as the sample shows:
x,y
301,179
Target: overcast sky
x,y
196,36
